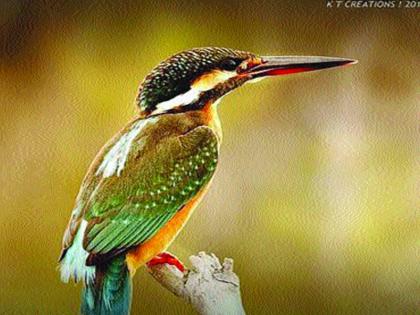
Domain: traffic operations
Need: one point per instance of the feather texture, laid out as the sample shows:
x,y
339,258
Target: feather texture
x,y
73,264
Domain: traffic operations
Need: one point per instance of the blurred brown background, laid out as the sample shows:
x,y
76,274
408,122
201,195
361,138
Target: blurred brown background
x,y
316,195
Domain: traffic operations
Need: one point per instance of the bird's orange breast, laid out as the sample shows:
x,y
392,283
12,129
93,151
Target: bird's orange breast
x,y
164,237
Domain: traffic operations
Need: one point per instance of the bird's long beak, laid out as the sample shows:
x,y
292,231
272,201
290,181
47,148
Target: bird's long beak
x,y
273,65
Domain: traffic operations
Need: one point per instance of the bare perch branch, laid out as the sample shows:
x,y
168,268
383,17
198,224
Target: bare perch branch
x,y
211,288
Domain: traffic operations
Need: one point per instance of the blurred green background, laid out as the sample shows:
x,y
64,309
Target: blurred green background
x,y
317,193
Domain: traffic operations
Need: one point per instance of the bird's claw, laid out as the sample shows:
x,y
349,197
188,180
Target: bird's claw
x,y
166,258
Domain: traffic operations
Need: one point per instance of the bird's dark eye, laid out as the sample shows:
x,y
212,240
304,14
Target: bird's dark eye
x,y
229,64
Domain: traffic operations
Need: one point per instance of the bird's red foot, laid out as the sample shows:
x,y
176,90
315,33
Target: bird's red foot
x,y
166,258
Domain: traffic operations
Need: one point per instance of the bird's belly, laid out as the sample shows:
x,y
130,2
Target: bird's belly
x,y
164,237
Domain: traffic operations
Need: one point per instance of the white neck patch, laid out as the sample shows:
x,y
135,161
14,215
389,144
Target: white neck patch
x,y
204,83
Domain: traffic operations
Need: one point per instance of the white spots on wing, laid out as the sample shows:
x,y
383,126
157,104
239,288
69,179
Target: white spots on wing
x,y
204,83
114,160
73,264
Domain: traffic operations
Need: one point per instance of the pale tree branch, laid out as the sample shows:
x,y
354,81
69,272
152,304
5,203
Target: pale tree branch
x,y
211,288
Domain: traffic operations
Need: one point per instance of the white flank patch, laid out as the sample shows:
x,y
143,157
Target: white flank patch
x,y
206,82
116,157
73,264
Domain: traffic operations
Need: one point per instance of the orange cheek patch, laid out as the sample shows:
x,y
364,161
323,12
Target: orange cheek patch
x,y
248,64
210,79
206,80
254,62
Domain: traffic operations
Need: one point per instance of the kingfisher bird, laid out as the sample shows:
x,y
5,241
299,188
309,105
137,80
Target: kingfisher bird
x,y
147,180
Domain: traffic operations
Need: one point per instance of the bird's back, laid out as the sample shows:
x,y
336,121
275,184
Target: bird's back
x,y
128,172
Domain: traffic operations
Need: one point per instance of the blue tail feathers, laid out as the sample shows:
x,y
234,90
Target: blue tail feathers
x,y
110,293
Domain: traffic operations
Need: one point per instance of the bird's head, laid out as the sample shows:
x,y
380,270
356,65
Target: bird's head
x,y
192,79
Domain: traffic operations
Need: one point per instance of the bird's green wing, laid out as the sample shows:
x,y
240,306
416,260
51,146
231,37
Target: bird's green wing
x,y
130,209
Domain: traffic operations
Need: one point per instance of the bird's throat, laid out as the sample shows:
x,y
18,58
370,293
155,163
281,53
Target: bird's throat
x,y
212,119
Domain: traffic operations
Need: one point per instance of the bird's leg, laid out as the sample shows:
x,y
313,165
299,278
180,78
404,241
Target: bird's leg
x,y
166,258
